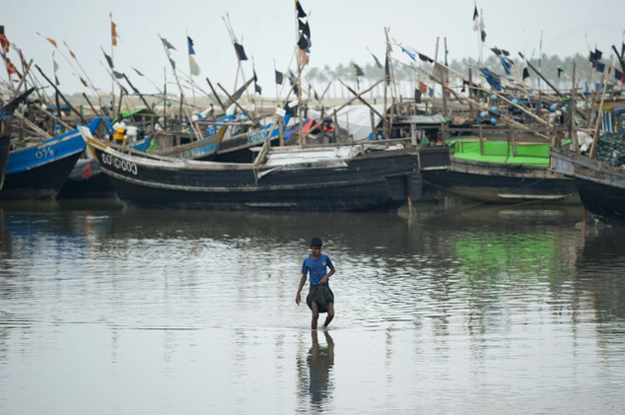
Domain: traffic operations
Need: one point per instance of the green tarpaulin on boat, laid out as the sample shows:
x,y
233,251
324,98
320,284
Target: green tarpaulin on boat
x,y
534,154
140,113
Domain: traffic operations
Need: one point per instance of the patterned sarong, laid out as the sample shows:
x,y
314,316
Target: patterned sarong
x,y
320,294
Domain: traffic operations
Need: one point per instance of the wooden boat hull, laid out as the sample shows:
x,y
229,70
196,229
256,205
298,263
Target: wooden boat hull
x,y
39,171
504,184
5,143
41,182
601,186
379,181
86,180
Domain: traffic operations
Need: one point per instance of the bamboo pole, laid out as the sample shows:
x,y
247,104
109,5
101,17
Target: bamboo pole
x,y
61,95
573,102
359,97
600,114
221,104
230,97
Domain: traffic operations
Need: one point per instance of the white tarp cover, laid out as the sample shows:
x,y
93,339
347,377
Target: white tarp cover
x,y
283,158
434,119
356,119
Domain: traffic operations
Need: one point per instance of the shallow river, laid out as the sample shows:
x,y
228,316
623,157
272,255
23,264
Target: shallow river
x,y
485,310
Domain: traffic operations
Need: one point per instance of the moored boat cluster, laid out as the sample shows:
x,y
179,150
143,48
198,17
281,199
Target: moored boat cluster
x,y
495,140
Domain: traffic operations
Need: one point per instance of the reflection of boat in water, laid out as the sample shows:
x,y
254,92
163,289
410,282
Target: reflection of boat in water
x,y
597,273
460,215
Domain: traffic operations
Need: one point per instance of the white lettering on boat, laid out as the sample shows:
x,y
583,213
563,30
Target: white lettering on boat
x,y
119,164
44,152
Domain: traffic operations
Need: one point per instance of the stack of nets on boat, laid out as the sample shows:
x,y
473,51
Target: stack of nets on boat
x,y
611,149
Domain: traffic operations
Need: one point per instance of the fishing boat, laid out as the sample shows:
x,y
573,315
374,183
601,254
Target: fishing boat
x,y
38,168
227,139
6,116
86,179
380,176
502,171
600,178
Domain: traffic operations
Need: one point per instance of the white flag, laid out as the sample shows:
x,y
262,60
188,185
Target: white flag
x,y
194,68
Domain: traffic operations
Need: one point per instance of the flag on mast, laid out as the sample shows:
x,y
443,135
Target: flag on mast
x,y
113,31
279,77
4,43
304,42
238,47
377,61
476,21
194,69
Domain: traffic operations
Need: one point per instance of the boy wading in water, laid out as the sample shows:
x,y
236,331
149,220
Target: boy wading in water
x,y
320,298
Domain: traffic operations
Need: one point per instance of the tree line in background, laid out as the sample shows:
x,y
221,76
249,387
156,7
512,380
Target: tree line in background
x,y
405,72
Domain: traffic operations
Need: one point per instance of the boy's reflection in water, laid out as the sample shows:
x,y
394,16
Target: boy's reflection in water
x,y
320,361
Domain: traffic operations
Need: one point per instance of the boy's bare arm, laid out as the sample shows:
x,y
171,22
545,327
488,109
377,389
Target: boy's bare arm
x,y
298,297
324,280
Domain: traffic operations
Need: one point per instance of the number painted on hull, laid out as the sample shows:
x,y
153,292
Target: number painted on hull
x,y
44,153
119,164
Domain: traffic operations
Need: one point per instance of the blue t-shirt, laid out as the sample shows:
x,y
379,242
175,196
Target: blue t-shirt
x,y
316,268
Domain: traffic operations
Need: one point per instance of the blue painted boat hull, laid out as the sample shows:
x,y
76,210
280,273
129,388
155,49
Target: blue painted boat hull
x,y
39,171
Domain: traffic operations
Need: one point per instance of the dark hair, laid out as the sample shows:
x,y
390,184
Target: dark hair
x,y
316,242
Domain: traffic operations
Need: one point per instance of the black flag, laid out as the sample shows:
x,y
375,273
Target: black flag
x,y
300,11
560,70
303,42
377,61
257,87
305,28
417,96
279,77
425,58
359,71
108,60
483,36
526,73
238,48
598,54
167,44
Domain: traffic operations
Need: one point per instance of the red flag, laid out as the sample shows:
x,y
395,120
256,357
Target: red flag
x,y
51,41
113,33
423,87
11,69
303,56
4,43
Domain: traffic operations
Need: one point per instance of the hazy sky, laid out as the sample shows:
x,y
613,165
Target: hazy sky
x,y
341,31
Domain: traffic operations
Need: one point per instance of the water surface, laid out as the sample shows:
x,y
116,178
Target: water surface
x,y
453,310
